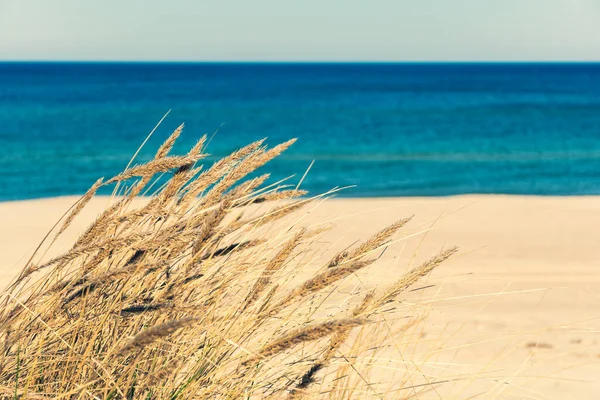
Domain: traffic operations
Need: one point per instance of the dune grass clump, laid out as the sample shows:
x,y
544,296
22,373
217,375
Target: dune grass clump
x,y
197,292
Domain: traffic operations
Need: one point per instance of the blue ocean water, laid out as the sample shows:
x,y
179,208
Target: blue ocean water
x,y
389,129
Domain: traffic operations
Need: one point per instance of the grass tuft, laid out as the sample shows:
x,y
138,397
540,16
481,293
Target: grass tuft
x,y
195,292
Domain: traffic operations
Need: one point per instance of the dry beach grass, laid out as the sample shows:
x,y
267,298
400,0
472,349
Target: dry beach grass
x,y
195,292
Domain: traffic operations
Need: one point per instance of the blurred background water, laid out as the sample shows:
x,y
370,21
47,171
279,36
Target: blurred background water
x,y
389,129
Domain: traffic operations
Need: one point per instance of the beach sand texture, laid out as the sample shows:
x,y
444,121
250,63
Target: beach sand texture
x,y
518,308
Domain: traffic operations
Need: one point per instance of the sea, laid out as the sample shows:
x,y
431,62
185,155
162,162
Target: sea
x,y
377,129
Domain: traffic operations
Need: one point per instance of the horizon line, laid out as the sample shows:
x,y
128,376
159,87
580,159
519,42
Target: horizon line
x,y
99,61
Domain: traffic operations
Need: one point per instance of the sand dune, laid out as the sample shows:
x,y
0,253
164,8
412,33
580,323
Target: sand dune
x,y
519,308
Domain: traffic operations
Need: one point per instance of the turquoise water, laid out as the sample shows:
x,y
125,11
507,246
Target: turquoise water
x,y
389,129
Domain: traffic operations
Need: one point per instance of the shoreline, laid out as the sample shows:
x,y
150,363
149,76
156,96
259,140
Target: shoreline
x,y
74,197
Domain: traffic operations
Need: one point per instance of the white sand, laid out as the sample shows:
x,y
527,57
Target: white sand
x,y
546,248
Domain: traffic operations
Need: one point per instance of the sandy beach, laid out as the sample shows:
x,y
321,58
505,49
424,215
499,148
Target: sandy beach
x,y
517,309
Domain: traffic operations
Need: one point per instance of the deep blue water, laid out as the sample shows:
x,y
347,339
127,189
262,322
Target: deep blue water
x,y
390,129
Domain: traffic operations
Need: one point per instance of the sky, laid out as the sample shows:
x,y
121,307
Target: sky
x,y
305,30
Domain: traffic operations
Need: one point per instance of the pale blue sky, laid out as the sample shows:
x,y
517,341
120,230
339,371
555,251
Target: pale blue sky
x,y
393,30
